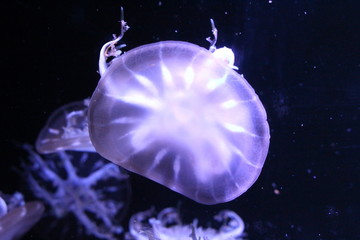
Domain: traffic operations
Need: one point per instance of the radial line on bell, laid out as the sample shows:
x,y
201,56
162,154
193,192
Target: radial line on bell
x,y
157,159
147,84
215,83
125,120
238,129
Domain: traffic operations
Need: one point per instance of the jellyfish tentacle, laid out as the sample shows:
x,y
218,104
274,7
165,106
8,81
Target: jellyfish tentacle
x,y
212,42
232,224
109,49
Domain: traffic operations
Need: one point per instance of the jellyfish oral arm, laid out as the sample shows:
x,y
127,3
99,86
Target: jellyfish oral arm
x,y
109,49
226,55
79,193
223,54
212,42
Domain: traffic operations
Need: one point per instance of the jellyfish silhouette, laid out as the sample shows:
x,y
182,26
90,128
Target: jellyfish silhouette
x,y
174,112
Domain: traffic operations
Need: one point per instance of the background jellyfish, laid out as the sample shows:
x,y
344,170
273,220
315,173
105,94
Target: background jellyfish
x,y
16,216
66,129
95,192
167,225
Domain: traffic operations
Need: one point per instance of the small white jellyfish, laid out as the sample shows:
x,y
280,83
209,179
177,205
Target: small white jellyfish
x,y
167,225
66,129
17,219
177,114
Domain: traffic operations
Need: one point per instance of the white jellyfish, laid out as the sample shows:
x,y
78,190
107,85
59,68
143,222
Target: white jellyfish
x,y
173,112
17,217
167,225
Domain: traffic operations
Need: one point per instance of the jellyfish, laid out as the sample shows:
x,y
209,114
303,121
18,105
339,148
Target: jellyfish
x,y
66,129
3,207
17,217
167,225
174,112
94,191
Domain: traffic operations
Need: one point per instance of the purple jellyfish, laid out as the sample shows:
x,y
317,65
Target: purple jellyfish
x,y
175,113
16,216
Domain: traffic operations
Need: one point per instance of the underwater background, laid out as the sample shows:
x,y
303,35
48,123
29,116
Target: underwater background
x,y
301,57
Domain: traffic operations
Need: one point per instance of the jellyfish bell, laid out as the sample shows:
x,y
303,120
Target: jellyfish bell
x,y
19,220
180,115
174,113
66,129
